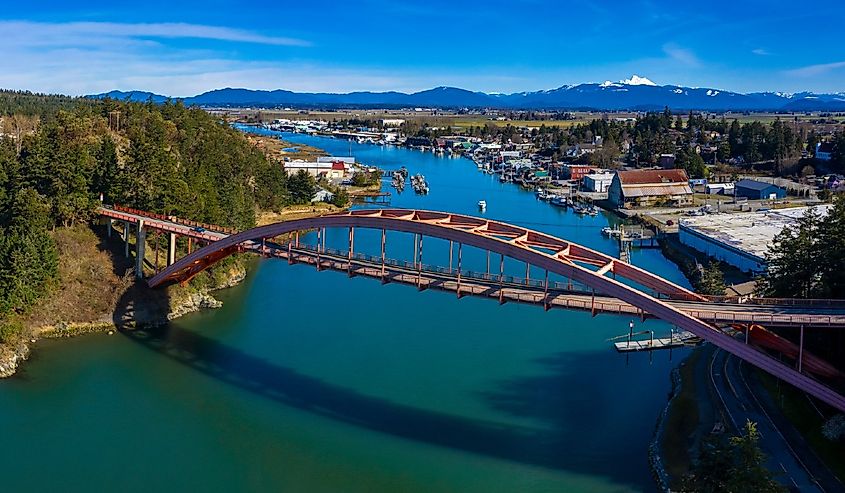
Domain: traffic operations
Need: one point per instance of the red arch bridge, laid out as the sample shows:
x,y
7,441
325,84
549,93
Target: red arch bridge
x,y
594,281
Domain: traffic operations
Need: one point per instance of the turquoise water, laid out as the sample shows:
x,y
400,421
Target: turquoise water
x,y
308,381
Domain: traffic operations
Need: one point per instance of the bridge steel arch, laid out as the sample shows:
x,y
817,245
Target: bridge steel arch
x,y
538,249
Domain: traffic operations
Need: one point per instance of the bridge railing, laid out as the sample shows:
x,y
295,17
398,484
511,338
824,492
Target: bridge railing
x,y
753,300
466,274
174,219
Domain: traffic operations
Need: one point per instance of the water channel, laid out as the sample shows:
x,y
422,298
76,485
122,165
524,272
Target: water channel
x,y
311,381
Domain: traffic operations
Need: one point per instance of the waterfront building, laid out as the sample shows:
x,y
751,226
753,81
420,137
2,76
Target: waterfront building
x,y
758,190
741,239
334,159
719,188
332,171
577,171
597,182
651,187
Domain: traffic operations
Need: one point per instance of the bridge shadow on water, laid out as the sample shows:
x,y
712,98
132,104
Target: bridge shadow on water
x,y
550,447
558,400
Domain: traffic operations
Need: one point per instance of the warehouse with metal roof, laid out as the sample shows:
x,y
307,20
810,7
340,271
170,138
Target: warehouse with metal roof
x,y
650,187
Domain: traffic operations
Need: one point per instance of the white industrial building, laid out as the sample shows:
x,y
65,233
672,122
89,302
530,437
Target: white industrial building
x,y
742,239
332,171
597,182
335,159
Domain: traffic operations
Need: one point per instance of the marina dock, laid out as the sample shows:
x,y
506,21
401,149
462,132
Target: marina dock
x,y
677,339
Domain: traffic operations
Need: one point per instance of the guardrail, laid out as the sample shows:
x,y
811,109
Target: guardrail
x,y
186,222
465,274
599,304
753,300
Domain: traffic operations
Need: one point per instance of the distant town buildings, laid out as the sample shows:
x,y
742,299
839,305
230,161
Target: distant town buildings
x,y
330,170
597,182
824,151
667,161
576,171
758,190
347,160
643,188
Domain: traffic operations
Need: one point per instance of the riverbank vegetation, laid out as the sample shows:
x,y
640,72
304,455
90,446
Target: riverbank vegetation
x,y
732,465
60,156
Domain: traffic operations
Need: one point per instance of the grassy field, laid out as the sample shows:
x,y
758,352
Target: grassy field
x,y
296,212
429,118
275,148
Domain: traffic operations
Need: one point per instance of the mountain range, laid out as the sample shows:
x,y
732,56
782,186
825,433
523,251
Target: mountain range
x,y
635,94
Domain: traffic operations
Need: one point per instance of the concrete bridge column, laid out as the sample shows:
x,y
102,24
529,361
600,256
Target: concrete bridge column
x,y
126,239
140,243
171,248
108,227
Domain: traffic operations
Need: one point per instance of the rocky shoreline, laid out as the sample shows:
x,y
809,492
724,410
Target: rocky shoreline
x,y
655,458
12,355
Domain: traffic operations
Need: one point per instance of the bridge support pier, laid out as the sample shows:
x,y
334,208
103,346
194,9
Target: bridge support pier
x,y
108,227
351,251
419,264
126,239
546,305
801,351
140,243
171,249
502,279
458,287
383,241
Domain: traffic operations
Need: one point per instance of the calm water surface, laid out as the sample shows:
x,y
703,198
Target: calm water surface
x,y
309,381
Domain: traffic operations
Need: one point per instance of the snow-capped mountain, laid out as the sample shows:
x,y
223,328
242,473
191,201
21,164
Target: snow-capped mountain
x,y
635,93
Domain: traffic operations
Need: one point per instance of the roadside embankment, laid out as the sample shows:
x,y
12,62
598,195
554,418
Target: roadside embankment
x,y
98,293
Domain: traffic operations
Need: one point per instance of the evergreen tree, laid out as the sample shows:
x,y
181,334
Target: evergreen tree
x,y
793,261
712,280
731,466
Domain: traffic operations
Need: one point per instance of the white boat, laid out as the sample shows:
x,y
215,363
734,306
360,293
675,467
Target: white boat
x,y
612,232
482,205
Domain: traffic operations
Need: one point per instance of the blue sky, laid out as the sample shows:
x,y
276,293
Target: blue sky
x,y
184,48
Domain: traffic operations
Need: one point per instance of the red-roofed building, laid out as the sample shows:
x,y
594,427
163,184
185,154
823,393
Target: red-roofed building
x,y
576,171
651,187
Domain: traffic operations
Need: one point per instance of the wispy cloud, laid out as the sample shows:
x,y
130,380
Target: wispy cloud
x,y
39,34
815,70
761,52
681,55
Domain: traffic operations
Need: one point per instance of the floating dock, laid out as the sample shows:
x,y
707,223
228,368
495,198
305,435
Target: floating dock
x,y
678,339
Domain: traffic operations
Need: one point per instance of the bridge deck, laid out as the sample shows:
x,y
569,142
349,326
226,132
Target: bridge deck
x,y
697,314
766,313
534,293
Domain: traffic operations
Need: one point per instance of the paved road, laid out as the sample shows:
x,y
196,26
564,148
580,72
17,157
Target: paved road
x,y
792,459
